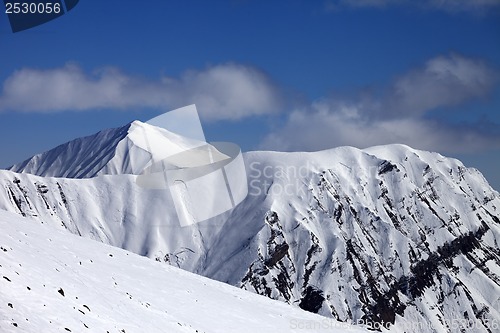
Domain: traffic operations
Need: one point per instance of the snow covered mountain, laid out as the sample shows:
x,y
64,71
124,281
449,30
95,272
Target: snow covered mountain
x,y
54,282
125,150
388,235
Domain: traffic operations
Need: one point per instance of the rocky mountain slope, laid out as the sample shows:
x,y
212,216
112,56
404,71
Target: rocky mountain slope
x,y
387,236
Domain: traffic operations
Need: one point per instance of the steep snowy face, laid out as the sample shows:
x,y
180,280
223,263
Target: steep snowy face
x,y
388,235
383,236
78,158
126,150
54,282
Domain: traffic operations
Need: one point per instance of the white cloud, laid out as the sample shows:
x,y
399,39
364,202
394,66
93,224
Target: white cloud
x,y
443,81
324,127
227,91
399,116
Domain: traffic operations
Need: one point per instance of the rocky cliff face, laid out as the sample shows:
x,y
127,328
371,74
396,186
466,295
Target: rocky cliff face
x,y
383,236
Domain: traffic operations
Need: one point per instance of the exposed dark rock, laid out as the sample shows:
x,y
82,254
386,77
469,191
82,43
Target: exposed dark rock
x,y
387,166
271,217
312,299
278,254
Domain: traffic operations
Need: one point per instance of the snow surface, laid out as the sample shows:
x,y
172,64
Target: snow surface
x,y
51,281
126,150
387,234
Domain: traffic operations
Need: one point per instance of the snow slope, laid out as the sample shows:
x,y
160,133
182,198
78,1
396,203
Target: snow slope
x,y
387,235
54,282
126,150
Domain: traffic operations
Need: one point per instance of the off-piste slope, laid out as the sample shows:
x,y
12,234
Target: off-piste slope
x,y
51,281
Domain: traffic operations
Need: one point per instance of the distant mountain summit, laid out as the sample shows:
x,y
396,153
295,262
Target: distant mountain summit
x,y
125,150
387,235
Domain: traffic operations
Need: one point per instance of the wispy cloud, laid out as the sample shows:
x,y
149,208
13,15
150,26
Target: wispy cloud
x,y
444,5
227,91
399,115
442,81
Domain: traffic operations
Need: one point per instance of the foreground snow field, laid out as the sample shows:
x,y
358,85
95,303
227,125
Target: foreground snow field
x,y
52,281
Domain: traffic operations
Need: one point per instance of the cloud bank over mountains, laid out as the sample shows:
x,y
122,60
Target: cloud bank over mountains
x,y
397,113
227,91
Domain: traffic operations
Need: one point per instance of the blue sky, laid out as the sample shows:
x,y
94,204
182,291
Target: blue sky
x,y
281,75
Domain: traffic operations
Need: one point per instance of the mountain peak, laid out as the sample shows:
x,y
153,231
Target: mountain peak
x,y
124,150
136,123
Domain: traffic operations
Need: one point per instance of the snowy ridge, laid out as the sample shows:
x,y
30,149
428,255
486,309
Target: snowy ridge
x,y
387,235
126,150
52,282
76,158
